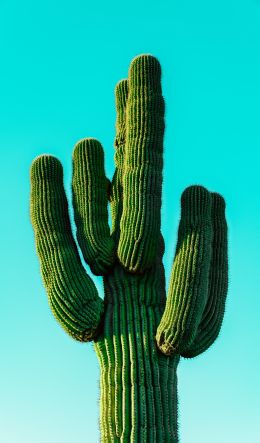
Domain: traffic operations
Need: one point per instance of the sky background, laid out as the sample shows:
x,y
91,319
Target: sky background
x,y
60,61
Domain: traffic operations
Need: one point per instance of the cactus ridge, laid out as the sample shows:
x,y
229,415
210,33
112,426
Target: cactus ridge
x,y
139,334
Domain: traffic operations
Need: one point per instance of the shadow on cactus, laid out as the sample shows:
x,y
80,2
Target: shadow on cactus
x,y
139,335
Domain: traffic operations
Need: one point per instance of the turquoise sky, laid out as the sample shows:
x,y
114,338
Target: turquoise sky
x,y
60,61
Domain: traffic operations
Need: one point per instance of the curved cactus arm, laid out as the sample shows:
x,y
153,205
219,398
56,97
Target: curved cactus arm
x,y
188,289
72,294
143,162
90,200
213,314
116,189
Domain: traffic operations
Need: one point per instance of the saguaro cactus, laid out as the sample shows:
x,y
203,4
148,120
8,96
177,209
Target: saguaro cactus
x,y
139,335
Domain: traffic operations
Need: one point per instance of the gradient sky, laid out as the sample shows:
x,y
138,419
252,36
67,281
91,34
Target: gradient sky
x,y
60,61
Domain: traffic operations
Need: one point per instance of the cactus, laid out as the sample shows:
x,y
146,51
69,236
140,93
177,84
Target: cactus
x,y
139,335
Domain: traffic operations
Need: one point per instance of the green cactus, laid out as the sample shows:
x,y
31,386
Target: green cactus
x,y
139,335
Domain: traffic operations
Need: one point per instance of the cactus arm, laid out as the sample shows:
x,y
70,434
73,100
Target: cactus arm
x,y
116,189
188,289
213,314
90,195
72,294
121,96
142,178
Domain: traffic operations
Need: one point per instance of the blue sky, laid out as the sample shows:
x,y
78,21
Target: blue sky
x,y
60,61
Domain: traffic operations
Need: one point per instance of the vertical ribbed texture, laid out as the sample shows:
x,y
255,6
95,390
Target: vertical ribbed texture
x,y
188,289
213,314
143,162
72,295
139,335
90,194
140,396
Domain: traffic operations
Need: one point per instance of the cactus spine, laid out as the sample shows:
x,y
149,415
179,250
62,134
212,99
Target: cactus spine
x,y
139,335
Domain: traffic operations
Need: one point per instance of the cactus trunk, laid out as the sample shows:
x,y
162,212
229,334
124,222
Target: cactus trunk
x,y
138,383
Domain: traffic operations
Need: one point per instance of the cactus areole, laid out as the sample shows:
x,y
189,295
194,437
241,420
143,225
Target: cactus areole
x,y
139,334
